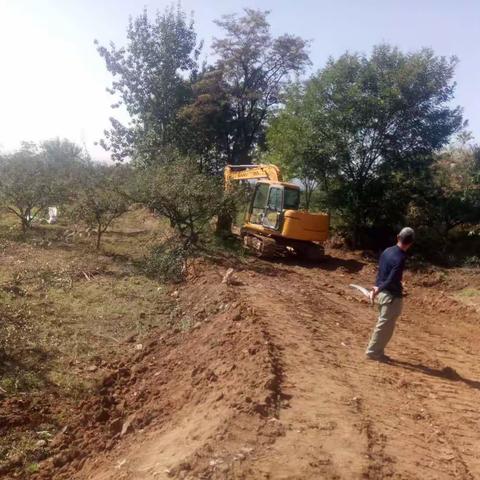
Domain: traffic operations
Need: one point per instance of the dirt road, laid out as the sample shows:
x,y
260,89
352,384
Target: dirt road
x,y
270,382
351,418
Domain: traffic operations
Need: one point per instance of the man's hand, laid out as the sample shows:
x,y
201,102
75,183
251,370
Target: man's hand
x,y
373,293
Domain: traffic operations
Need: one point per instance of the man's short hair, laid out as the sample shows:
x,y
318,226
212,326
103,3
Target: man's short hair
x,y
406,235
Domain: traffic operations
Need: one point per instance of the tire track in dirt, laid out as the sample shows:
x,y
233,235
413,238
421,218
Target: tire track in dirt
x,y
405,418
379,464
321,422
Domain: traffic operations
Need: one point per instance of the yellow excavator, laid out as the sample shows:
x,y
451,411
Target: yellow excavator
x,y
273,224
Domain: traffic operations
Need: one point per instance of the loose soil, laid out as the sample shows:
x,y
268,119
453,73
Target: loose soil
x,y
265,378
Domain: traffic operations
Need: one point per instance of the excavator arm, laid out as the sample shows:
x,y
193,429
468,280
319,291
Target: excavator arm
x,y
251,172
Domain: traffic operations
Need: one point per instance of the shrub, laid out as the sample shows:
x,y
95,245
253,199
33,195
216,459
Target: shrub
x,y
168,261
188,198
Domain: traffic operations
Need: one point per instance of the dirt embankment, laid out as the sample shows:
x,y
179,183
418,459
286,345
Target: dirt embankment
x,y
266,379
194,399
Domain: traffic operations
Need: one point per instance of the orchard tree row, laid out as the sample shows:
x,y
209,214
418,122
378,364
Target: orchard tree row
x,y
375,139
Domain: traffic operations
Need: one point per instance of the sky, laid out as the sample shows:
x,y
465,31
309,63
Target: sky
x,y
53,82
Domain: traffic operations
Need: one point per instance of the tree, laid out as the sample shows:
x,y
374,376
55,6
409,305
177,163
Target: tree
x,y
152,80
188,198
66,161
452,197
100,199
27,184
254,68
293,146
373,125
205,122
62,152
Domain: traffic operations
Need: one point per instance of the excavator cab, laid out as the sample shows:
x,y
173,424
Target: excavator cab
x,y
270,201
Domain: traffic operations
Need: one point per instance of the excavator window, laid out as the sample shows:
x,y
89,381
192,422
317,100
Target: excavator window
x,y
259,203
261,194
291,199
269,201
275,199
274,208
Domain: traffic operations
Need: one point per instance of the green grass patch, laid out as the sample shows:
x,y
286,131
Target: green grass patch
x,y
469,293
32,468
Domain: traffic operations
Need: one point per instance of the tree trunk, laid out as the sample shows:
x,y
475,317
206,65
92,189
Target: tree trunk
x,y
241,157
224,225
99,236
308,197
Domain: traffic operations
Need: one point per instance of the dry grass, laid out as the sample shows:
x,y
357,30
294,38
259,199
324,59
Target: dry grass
x,y
469,296
67,310
67,305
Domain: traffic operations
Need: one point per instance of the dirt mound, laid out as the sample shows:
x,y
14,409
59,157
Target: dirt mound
x,y
216,357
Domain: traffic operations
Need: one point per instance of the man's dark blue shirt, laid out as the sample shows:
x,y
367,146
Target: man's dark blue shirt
x,y
390,271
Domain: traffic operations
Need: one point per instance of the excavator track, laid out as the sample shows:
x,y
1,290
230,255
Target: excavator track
x,y
264,247
311,252
269,247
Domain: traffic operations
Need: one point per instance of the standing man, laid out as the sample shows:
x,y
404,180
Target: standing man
x,y
388,288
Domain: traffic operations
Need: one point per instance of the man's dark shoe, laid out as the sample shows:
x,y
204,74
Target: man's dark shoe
x,y
379,358
385,358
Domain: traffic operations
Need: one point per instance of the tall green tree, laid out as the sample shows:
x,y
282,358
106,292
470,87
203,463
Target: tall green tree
x,y
295,147
254,68
152,75
371,125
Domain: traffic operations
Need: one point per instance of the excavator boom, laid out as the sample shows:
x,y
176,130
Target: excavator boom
x,y
251,172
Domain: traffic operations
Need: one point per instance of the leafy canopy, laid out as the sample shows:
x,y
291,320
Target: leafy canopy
x,y
151,80
217,113
255,67
367,127
100,198
38,176
188,198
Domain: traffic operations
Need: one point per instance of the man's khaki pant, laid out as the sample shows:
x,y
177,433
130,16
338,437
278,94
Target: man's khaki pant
x,y
390,308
